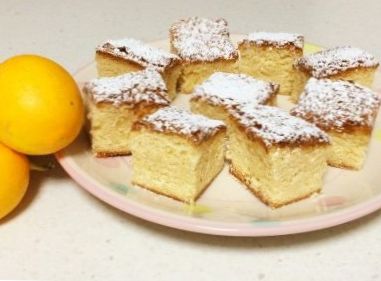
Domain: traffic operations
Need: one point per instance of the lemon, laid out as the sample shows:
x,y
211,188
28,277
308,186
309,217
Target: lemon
x,y
14,179
41,110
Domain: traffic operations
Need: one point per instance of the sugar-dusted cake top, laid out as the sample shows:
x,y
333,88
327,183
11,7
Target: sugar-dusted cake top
x,y
228,89
336,60
276,39
138,52
201,39
131,88
181,122
273,126
337,105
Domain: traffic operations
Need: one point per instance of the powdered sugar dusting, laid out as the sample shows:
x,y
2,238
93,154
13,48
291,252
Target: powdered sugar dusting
x,y
332,61
337,104
229,89
202,39
277,39
179,121
275,126
138,52
131,88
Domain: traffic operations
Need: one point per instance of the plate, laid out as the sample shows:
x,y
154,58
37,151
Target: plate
x,y
227,207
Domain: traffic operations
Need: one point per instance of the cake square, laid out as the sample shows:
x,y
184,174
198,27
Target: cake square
x,y
271,56
115,103
205,47
280,158
339,63
116,57
346,111
177,153
223,90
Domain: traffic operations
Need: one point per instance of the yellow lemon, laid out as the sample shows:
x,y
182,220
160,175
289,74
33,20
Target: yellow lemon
x,y
14,179
41,110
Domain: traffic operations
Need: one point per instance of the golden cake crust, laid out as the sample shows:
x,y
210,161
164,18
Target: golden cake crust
x,y
291,48
138,53
279,40
118,59
105,154
197,39
344,166
139,66
139,110
337,105
176,121
308,71
337,60
272,126
146,86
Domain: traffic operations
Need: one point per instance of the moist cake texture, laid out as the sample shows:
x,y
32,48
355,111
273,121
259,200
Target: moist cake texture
x,y
116,57
280,158
345,110
271,56
177,153
115,103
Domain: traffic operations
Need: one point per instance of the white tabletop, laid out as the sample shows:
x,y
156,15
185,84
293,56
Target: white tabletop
x,y
60,232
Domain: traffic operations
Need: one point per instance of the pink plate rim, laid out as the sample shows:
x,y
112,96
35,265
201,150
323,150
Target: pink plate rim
x,y
192,224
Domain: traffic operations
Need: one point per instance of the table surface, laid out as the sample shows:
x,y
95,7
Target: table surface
x,y
60,232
